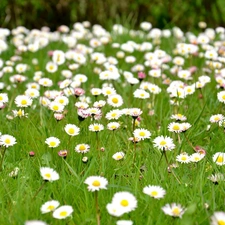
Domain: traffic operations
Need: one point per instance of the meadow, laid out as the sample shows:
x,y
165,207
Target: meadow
x,y
117,126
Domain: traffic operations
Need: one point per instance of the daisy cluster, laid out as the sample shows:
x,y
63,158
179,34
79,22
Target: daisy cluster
x,y
142,109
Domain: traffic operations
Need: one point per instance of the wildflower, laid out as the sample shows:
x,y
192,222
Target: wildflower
x,y
185,126
82,148
52,142
48,174
183,158
63,153
135,112
124,222
156,192
85,159
59,116
219,158
113,114
218,218
216,178
96,127
114,210
95,183
63,212
96,91
63,100
221,96
175,127
113,125
14,173
178,117
79,92
196,157
51,67
164,143
35,222
72,129
20,113
216,118
4,98
49,206
45,82
142,94
56,107
7,140
142,133
23,101
118,155
32,93
175,210
31,153
115,100
99,104
125,201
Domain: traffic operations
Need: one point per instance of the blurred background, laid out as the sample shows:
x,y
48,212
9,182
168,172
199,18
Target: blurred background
x,y
161,13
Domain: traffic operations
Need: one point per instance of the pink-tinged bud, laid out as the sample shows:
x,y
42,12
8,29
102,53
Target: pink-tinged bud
x,y
59,116
2,106
166,59
31,154
102,149
193,69
78,92
141,76
200,150
63,153
139,119
50,53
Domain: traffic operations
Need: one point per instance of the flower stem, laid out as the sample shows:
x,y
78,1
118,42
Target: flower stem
x,y
97,208
2,158
39,189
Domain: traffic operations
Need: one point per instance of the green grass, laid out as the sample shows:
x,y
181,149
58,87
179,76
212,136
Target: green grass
x,y
188,184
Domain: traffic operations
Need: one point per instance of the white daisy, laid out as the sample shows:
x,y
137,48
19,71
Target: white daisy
x,y
95,183
175,210
154,191
49,206
142,133
23,101
48,174
52,142
218,218
115,100
72,129
63,212
7,140
118,155
164,143
82,148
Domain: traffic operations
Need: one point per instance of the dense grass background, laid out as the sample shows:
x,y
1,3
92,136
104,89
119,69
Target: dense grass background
x,y
193,191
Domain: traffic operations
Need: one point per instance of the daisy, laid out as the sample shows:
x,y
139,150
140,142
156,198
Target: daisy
x,y
80,77
32,93
125,201
142,94
221,96
63,212
196,157
154,191
20,113
124,222
72,129
178,117
114,210
175,210
183,158
52,142
118,155
4,98
49,206
95,183
185,126
48,174
142,133
81,105
219,158
113,114
218,218
113,126
82,148
96,91
216,118
51,67
44,101
106,91
164,143
56,107
175,127
23,101
7,140
35,222
215,178
135,112
115,100
96,127
99,104
45,82
63,100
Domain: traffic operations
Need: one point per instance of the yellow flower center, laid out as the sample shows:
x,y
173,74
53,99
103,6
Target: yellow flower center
x,y
55,107
221,222
162,142
142,95
216,118
96,127
71,131
108,92
184,158
24,102
154,193
1,98
63,213
48,175
20,113
219,159
113,114
115,100
124,203
223,97
119,157
176,127
51,207
61,101
52,144
96,183
82,147
142,133
176,211
51,67
7,141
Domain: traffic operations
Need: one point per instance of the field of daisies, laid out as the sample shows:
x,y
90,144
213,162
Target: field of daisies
x,y
120,126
